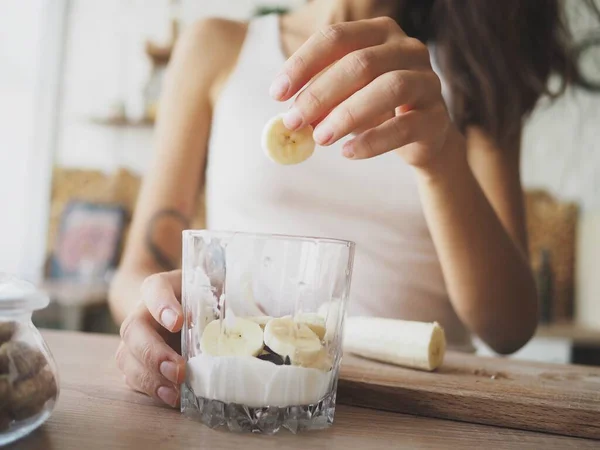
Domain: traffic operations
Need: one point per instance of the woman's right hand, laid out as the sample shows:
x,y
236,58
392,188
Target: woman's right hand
x,y
149,353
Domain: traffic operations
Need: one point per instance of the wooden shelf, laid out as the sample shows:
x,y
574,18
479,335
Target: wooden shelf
x,y
121,123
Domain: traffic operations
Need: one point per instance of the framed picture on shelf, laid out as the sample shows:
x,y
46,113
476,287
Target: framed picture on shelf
x,y
89,241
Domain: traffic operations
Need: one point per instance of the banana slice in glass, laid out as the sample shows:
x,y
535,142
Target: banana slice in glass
x,y
314,321
261,320
289,338
241,338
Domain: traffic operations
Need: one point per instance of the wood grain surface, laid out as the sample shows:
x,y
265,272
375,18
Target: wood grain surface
x,y
96,411
553,398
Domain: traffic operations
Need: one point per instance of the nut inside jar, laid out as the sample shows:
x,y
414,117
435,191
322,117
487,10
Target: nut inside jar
x,y
26,379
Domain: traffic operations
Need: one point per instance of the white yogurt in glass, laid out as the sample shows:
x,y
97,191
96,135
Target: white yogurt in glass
x,y
255,383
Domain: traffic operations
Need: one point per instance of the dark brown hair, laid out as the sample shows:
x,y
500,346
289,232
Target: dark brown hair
x,y
497,56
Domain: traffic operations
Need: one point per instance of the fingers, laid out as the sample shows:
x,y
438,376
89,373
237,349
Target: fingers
x,y
353,72
414,126
322,49
383,95
160,293
139,378
149,363
145,344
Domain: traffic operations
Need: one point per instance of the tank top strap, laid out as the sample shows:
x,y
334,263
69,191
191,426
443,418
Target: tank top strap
x,y
261,50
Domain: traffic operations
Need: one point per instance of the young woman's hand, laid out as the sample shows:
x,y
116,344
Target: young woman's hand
x,y
378,83
148,353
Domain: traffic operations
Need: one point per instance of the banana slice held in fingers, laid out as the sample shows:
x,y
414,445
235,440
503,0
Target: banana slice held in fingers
x,y
241,338
289,338
285,146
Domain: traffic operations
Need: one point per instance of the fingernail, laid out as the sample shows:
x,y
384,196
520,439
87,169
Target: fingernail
x,y
280,86
323,134
292,119
347,150
167,395
170,371
168,318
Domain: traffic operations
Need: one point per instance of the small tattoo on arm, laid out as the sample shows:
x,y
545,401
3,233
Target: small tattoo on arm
x,y
162,218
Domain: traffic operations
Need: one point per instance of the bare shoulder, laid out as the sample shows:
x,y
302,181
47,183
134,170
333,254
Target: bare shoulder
x,y
215,33
210,47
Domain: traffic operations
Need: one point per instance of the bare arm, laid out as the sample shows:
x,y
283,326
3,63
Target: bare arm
x,y
474,207
471,197
168,195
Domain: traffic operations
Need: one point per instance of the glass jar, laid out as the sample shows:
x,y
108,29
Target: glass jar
x,y
263,325
28,377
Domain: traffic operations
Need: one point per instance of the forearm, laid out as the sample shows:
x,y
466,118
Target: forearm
x,y
125,292
488,276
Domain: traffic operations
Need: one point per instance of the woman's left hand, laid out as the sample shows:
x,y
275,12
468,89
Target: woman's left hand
x,y
372,80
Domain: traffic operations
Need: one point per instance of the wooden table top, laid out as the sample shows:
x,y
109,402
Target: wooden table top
x,y
96,411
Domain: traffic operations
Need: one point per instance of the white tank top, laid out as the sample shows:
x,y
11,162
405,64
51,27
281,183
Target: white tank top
x,y
374,202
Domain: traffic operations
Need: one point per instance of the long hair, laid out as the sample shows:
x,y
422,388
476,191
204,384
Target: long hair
x,y
498,56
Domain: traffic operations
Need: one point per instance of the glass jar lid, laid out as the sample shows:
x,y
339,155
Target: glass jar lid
x,y
17,294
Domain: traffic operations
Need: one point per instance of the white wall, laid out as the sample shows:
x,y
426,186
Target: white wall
x,y
20,27
105,62
561,148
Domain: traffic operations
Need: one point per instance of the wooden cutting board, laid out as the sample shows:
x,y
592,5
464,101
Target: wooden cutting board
x,y
553,398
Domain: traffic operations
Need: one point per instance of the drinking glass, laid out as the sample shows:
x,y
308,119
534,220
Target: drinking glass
x,y
262,335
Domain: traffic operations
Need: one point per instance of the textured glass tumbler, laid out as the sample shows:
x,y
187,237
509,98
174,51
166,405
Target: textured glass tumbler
x,y
262,336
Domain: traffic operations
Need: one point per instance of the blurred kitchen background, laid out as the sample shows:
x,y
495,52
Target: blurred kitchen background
x,y
79,83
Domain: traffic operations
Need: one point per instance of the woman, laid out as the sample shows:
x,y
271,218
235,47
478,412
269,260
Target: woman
x,y
435,205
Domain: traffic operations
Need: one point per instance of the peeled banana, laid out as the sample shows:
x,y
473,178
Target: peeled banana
x,y
417,345
285,146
